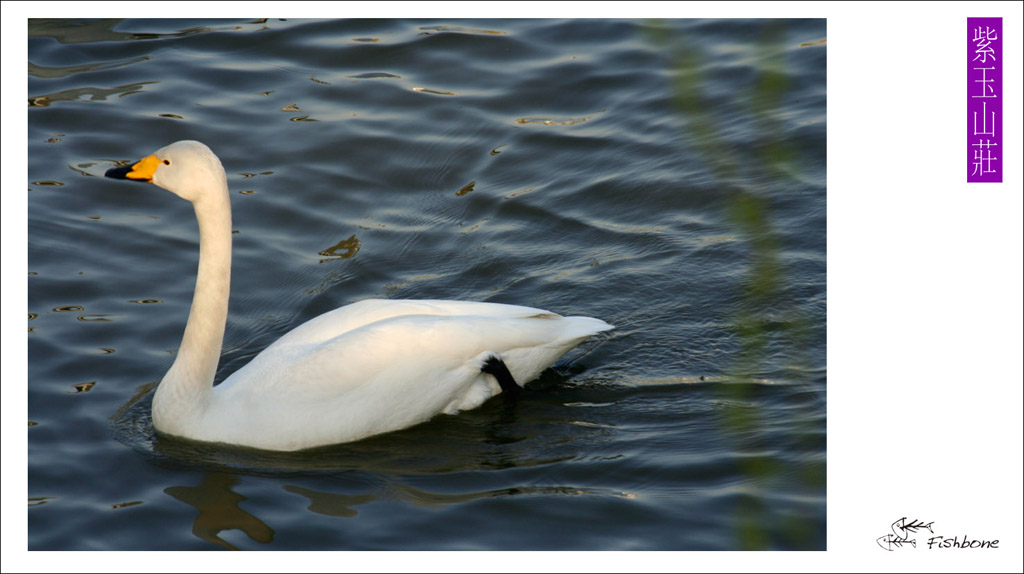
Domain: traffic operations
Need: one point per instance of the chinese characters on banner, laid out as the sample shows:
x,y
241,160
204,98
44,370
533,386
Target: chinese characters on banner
x,y
984,100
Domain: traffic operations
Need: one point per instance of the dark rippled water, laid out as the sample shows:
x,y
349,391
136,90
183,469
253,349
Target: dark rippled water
x,y
665,176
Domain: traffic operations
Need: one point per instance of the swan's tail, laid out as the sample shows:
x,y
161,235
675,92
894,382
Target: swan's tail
x,y
579,328
519,365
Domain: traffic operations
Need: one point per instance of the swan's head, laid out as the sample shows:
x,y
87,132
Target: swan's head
x,y
186,168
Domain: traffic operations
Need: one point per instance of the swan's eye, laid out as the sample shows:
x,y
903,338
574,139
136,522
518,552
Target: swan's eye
x,y
167,162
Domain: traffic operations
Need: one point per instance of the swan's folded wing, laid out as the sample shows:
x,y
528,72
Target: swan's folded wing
x,y
362,313
415,347
395,372
413,350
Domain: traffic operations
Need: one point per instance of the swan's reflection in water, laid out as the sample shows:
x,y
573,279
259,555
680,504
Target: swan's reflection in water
x,y
445,462
330,504
219,511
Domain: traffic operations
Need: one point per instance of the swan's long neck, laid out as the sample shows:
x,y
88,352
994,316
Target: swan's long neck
x,y
185,390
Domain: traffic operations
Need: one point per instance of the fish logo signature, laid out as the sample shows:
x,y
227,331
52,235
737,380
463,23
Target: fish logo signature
x,y
901,531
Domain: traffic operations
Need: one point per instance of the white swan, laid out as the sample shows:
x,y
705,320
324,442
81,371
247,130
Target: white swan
x,y
370,367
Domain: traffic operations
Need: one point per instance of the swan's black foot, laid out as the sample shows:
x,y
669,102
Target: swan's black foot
x,y
495,366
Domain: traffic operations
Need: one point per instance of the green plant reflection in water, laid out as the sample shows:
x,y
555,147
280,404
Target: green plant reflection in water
x,y
766,316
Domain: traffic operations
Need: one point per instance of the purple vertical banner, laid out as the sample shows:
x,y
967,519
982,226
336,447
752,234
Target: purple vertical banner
x,y
984,100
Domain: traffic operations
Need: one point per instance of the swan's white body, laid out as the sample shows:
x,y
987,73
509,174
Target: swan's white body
x,y
366,368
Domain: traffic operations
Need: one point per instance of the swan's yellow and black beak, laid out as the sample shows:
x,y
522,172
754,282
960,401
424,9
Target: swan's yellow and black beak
x,y
142,170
